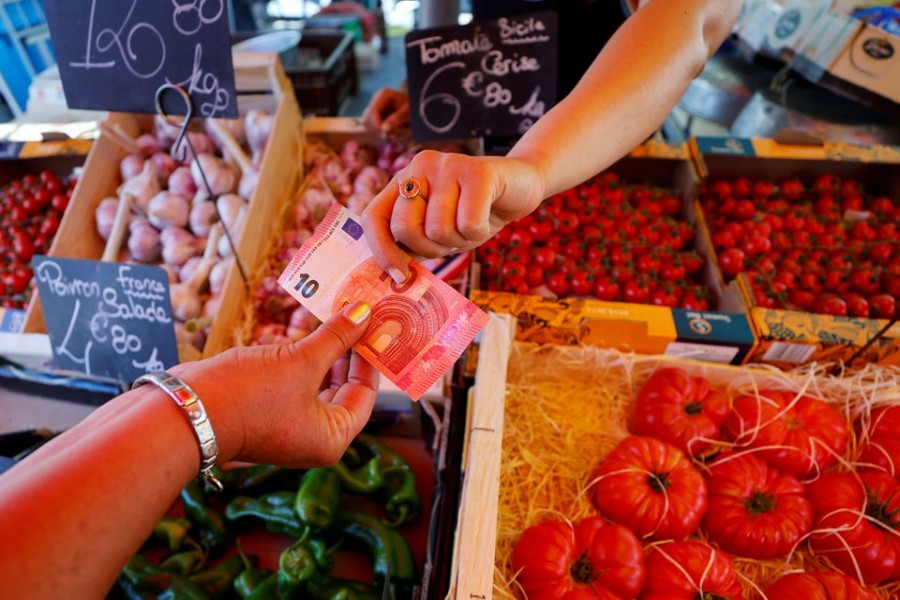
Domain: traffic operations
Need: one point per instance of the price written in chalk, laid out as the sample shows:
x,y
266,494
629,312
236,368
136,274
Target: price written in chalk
x,y
492,77
115,54
107,319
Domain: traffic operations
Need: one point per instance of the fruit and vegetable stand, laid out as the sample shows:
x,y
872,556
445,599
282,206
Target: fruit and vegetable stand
x,y
616,433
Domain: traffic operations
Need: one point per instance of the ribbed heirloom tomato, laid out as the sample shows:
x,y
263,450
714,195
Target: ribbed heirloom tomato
x,y
690,571
797,435
651,487
860,512
679,409
880,447
818,585
590,559
753,510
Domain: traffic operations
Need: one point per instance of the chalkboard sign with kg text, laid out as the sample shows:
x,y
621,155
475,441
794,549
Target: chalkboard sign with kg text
x,y
107,319
115,54
492,78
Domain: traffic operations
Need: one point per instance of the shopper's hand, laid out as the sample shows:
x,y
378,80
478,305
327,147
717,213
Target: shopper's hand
x,y
298,404
463,202
388,110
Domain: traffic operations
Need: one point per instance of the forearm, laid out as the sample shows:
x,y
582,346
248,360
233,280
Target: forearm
x,y
629,90
113,476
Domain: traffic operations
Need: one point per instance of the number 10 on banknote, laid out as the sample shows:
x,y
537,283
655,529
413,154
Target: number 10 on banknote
x,y
417,330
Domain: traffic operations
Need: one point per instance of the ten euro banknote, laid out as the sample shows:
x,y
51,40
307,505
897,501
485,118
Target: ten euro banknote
x,y
417,330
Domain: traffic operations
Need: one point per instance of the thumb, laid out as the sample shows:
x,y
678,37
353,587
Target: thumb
x,y
338,334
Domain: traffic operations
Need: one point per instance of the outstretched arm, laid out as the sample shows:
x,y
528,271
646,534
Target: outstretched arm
x,y
630,88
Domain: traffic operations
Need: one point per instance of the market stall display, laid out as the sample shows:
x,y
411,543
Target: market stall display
x,y
784,482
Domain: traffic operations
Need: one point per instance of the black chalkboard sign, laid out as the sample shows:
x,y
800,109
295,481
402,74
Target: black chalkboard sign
x,y
493,77
107,319
115,54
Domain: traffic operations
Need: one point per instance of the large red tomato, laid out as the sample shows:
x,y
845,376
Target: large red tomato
x,y
818,585
800,436
752,509
690,570
861,512
880,448
651,487
588,560
679,409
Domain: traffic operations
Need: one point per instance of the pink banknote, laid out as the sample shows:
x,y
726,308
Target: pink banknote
x,y
417,330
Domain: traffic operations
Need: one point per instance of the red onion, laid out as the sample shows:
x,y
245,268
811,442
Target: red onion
x,y
300,212
181,182
318,201
168,210
358,202
131,166
270,333
370,180
301,324
355,156
388,151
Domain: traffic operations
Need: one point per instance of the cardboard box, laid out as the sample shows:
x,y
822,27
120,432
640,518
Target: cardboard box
x,y
787,338
792,26
642,328
872,61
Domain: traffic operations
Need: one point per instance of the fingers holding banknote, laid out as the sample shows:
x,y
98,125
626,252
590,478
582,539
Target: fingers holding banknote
x,y
443,203
298,404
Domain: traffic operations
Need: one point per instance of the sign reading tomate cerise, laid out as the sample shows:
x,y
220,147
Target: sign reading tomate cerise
x,y
493,78
115,54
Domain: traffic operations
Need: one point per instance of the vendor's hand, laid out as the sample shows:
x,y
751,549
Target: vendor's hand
x,y
463,202
298,404
388,110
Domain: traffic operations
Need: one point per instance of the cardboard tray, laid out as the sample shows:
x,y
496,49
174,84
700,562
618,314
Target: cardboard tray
x,y
720,335
788,338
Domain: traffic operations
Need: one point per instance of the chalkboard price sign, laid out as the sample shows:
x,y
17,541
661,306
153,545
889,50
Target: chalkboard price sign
x,y
107,319
493,77
115,54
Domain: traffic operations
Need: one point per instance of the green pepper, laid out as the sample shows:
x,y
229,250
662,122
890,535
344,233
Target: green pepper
x,y
267,589
147,578
276,510
390,554
248,580
323,587
184,563
216,582
402,499
173,531
213,533
318,498
366,479
323,554
296,566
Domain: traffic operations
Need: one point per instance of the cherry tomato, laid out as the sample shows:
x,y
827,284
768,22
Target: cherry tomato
x,y
731,262
558,284
606,289
582,283
883,306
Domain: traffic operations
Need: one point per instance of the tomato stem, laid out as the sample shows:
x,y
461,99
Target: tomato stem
x,y
761,502
582,571
694,408
658,482
878,510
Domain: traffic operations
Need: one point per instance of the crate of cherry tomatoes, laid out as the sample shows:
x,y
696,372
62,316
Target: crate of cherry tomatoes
x,y
613,262
811,249
190,210
634,476
34,195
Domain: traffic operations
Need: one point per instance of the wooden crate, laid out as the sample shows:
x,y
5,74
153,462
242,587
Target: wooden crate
x,y
261,83
483,525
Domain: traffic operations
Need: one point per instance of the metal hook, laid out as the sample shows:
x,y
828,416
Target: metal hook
x,y
185,121
183,142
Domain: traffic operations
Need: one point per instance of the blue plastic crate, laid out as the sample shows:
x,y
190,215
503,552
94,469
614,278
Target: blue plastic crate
x,y
25,49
